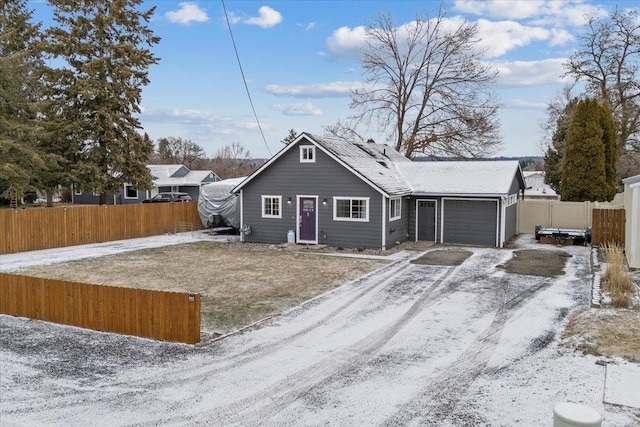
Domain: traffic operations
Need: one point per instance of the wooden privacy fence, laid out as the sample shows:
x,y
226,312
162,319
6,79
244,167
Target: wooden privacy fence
x,y
168,316
608,226
43,228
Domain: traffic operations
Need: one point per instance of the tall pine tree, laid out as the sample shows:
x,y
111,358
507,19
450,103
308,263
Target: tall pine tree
x,y
584,172
20,78
104,45
610,146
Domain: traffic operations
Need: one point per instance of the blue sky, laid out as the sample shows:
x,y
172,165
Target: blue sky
x,y
300,59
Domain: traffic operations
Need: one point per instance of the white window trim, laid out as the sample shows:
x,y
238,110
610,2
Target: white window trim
x,y
335,209
511,200
398,201
312,149
279,198
77,191
125,193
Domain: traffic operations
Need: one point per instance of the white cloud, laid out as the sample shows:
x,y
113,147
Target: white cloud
x,y
267,18
325,90
307,27
500,37
301,109
189,12
558,13
530,73
347,43
513,9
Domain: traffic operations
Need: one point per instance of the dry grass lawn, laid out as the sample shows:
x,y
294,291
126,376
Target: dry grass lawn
x,y
239,283
605,332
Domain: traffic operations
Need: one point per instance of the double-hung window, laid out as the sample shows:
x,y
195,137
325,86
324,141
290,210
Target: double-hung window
x,y
351,209
307,154
271,206
395,209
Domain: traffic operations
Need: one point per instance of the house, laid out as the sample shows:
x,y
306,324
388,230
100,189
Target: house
x,y
632,220
536,188
366,195
176,178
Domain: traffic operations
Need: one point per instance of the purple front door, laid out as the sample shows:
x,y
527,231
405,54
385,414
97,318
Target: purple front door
x,y
307,219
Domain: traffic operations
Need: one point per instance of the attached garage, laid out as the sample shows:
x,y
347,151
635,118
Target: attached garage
x,y
471,222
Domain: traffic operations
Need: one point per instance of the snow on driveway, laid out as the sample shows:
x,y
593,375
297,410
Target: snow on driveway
x,y
406,345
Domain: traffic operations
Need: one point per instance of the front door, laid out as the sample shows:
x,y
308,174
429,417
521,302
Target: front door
x,y
307,213
427,220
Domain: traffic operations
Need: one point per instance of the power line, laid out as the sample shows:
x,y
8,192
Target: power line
x,y
244,79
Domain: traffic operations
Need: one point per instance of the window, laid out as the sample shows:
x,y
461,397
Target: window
x,y
271,206
511,200
395,209
76,190
350,209
130,192
307,154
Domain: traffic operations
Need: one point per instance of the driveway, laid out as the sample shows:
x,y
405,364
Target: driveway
x,y
410,344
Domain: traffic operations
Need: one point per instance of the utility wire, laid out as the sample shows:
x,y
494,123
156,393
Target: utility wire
x,y
244,79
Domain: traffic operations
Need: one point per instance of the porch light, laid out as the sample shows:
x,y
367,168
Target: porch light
x,y
289,201
324,202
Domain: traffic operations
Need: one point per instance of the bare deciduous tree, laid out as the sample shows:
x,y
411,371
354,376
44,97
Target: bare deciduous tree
x,y
232,161
428,88
609,61
179,151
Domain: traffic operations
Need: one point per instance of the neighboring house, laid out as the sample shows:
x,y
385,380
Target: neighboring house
x,y
176,178
536,188
365,195
632,220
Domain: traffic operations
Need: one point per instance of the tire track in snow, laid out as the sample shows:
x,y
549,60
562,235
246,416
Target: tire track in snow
x,y
437,402
258,407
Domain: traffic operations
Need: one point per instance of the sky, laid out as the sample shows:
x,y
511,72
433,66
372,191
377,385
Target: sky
x,y
300,62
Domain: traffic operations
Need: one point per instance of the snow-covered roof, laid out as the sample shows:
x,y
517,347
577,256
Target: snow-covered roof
x,y
163,171
375,163
535,185
163,176
393,174
477,177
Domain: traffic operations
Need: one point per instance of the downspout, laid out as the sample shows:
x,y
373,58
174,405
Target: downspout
x,y
632,258
384,224
503,218
241,216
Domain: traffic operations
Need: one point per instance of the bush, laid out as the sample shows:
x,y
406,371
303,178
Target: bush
x,y
616,276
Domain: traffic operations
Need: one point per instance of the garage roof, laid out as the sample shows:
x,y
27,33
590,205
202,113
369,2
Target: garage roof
x,y
473,177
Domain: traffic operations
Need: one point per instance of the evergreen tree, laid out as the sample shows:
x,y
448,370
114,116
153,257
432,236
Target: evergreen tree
x,y
20,65
584,171
608,126
555,152
104,45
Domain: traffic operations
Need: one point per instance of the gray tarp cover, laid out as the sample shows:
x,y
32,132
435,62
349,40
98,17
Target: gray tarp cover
x,y
216,199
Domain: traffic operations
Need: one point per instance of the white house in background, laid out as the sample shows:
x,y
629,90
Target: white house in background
x,y
536,188
166,178
632,220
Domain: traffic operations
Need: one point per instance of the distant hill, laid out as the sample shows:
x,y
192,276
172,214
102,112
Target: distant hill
x,y
525,159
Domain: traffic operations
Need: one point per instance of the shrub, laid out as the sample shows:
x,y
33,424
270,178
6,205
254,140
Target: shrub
x,y
617,277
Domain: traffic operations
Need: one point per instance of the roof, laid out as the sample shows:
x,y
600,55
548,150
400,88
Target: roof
x,y
474,177
375,164
536,185
392,174
163,176
631,180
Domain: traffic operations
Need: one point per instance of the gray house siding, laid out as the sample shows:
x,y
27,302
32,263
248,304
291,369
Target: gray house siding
x,y
325,179
511,218
397,231
93,199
